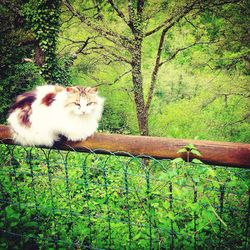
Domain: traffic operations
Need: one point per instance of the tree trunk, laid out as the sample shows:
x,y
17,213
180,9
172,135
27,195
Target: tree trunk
x,y
39,55
142,115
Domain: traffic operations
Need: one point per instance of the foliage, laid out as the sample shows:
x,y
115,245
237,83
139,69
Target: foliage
x,y
43,18
201,92
58,200
205,61
16,76
52,199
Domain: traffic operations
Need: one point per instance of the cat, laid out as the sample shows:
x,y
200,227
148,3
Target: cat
x,y
42,116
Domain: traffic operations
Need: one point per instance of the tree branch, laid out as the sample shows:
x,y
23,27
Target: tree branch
x,y
155,70
158,64
119,12
140,5
174,54
188,21
121,76
245,118
176,17
108,34
116,80
180,13
131,14
83,44
118,56
108,55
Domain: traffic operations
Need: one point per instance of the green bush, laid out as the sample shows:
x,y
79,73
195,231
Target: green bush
x,y
54,199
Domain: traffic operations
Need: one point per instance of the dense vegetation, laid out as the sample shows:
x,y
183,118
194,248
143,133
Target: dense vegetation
x,y
60,200
166,68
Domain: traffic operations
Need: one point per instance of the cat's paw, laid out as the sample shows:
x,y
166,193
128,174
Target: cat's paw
x,y
90,136
77,138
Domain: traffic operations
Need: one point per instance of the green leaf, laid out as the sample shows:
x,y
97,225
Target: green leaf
x,y
190,146
211,172
137,236
183,150
31,224
170,215
178,160
195,152
172,173
197,161
196,179
13,223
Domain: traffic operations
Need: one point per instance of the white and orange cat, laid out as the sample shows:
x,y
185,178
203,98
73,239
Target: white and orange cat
x,y
41,116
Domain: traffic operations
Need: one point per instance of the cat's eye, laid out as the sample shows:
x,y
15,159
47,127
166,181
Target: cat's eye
x,y
90,103
77,104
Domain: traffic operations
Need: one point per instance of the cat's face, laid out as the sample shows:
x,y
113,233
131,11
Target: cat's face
x,y
82,101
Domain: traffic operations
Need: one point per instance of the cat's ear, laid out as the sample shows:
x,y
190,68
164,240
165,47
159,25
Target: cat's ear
x,y
70,90
92,90
58,88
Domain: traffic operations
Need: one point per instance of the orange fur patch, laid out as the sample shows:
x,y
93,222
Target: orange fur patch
x,y
48,99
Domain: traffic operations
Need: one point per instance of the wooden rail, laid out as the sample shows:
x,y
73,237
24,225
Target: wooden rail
x,y
213,153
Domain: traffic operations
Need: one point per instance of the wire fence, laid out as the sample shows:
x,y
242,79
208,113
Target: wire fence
x,y
54,199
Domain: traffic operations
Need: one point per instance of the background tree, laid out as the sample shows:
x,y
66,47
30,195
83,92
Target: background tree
x,y
141,22
29,31
43,19
16,46
163,66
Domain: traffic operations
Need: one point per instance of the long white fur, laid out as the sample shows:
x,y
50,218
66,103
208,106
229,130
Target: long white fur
x,y
48,122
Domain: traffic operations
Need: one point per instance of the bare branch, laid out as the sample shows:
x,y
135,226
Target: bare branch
x,y
91,8
225,95
208,102
188,21
84,45
174,54
110,55
118,56
155,70
244,118
69,19
180,13
116,80
121,76
119,12
114,52
140,5
105,32
158,64
75,43
175,17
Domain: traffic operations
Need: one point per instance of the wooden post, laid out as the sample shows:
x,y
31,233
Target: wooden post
x,y
213,153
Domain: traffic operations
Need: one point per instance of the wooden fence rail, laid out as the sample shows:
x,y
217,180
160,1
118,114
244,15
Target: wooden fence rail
x,y
213,153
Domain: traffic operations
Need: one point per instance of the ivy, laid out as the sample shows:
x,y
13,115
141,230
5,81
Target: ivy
x,y
43,18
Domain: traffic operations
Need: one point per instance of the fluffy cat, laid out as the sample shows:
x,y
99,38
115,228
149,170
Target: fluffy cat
x,y
41,116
